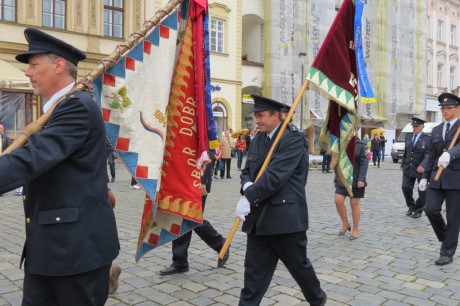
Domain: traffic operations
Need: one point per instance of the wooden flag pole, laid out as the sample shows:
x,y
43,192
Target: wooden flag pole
x,y
103,66
452,144
237,221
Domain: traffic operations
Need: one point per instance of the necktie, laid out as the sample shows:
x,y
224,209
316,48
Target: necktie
x,y
447,130
413,138
267,140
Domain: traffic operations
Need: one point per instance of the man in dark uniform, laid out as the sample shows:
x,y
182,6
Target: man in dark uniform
x,y
448,186
71,234
274,209
205,231
413,165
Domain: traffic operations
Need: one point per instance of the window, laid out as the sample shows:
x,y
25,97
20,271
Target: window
x,y
440,31
453,35
428,21
8,10
113,18
54,14
262,33
440,75
428,73
452,78
217,35
431,116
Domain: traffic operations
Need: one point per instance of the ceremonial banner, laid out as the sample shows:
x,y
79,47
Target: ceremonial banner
x,y
333,73
157,125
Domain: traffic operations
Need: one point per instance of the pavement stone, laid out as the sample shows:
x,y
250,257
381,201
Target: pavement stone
x,y
391,263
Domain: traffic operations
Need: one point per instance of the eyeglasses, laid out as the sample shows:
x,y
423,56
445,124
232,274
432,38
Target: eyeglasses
x,y
448,107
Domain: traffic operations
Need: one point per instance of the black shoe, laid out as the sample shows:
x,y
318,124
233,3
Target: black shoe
x,y
223,261
409,212
324,301
113,179
229,177
221,177
416,215
443,260
173,270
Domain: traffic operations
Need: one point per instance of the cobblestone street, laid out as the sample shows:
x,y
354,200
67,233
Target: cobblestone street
x,y
391,263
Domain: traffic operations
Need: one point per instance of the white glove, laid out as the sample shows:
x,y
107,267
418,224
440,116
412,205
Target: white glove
x,y
246,185
444,160
422,184
243,208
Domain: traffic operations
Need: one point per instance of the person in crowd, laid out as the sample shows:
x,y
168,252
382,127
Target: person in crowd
x,y
3,142
205,231
134,184
227,146
274,208
413,165
360,166
216,161
248,138
365,139
383,141
71,233
326,164
3,139
241,147
111,160
447,188
376,148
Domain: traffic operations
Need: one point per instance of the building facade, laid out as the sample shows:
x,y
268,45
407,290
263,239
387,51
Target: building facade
x,y
97,27
442,53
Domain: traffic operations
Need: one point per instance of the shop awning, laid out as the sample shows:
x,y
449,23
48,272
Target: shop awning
x,y
12,77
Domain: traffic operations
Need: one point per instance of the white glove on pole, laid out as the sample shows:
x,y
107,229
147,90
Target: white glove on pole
x,y
422,184
243,208
444,160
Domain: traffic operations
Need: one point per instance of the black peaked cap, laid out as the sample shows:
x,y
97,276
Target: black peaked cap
x,y
262,104
42,43
448,98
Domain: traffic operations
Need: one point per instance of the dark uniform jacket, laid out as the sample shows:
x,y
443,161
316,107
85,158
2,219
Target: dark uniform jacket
x,y
450,178
70,225
360,165
415,155
278,202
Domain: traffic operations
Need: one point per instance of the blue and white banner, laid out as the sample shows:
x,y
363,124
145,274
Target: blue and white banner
x,y
365,89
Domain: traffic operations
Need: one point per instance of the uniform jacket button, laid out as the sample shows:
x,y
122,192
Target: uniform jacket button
x,y
27,220
58,219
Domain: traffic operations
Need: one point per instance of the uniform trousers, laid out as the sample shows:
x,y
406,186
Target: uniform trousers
x,y
205,231
262,255
408,190
90,289
446,233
